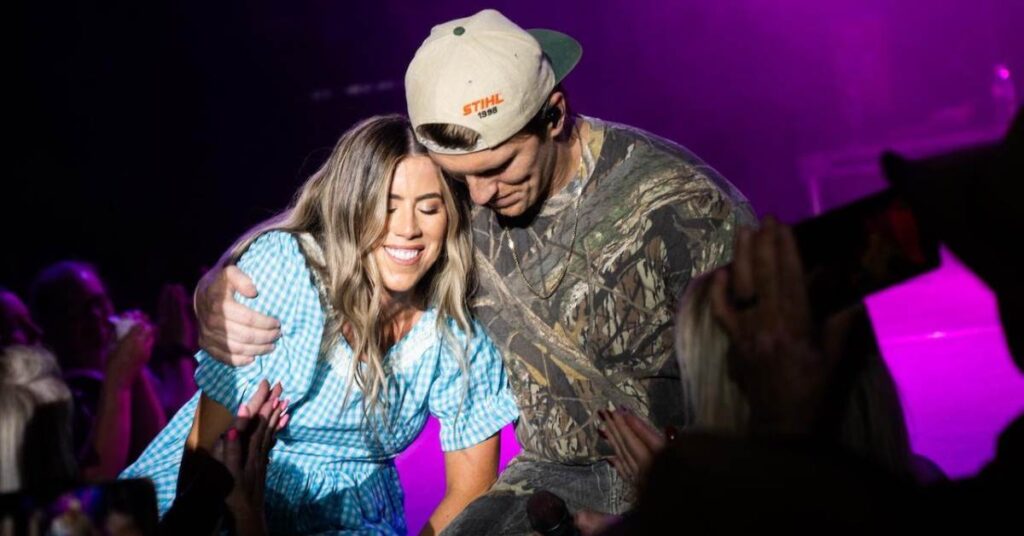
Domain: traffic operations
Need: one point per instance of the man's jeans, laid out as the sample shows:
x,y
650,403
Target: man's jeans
x,y
502,510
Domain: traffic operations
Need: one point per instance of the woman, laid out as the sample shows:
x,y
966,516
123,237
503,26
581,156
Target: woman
x,y
368,273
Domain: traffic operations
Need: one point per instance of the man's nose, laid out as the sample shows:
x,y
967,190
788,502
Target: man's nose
x,y
482,191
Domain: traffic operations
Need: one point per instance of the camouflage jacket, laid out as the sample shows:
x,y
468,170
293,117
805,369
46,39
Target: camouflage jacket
x,y
651,216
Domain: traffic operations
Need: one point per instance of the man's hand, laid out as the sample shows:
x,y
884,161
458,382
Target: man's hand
x,y
229,331
636,443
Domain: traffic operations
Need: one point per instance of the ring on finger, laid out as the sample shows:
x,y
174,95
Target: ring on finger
x,y
744,303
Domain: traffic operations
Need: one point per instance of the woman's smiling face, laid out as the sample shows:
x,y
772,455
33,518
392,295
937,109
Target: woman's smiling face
x,y
416,228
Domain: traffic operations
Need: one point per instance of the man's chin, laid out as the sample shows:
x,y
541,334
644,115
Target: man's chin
x,y
510,211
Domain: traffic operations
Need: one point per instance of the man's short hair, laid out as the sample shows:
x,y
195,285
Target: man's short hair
x,y
452,136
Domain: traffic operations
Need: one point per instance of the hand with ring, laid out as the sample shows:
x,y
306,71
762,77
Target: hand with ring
x,y
775,357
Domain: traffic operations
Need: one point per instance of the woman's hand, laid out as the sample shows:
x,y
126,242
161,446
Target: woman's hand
x,y
635,441
131,353
592,522
245,452
776,355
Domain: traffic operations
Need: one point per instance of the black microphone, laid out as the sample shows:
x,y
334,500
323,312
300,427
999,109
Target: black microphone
x,y
549,516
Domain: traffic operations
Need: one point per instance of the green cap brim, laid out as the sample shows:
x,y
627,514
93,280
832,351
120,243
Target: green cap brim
x,y
562,51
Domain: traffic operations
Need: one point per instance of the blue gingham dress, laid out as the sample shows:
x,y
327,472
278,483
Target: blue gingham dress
x,y
328,474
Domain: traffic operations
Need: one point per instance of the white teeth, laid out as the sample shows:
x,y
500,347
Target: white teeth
x,y
402,253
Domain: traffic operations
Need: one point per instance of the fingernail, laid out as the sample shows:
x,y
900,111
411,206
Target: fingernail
x,y
283,422
243,411
232,434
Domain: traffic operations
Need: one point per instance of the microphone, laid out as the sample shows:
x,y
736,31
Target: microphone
x,y
549,516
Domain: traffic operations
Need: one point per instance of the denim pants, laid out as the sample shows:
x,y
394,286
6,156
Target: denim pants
x,y
502,510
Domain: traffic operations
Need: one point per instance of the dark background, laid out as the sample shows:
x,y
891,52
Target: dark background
x,y
147,135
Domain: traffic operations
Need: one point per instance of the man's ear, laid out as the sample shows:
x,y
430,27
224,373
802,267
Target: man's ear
x,y
555,116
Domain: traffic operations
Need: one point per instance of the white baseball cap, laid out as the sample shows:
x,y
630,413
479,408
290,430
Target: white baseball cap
x,y
487,74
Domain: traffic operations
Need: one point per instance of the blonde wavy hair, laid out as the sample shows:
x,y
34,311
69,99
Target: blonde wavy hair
x,y
343,206
701,348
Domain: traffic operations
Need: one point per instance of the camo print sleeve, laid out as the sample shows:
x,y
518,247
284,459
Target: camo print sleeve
x,y
694,234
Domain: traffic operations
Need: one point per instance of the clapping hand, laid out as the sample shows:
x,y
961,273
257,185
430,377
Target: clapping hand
x,y
245,452
131,353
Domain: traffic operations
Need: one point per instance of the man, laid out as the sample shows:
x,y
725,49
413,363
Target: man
x,y
586,234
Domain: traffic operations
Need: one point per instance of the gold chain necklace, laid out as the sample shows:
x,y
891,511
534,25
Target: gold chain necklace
x,y
565,269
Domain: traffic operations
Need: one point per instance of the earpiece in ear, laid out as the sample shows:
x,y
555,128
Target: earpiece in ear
x,y
553,114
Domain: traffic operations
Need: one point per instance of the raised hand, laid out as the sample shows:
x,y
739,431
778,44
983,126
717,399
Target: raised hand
x,y
776,356
131,352
245,452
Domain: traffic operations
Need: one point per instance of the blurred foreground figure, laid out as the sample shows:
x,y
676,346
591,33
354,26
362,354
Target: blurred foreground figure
x,y
791,473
